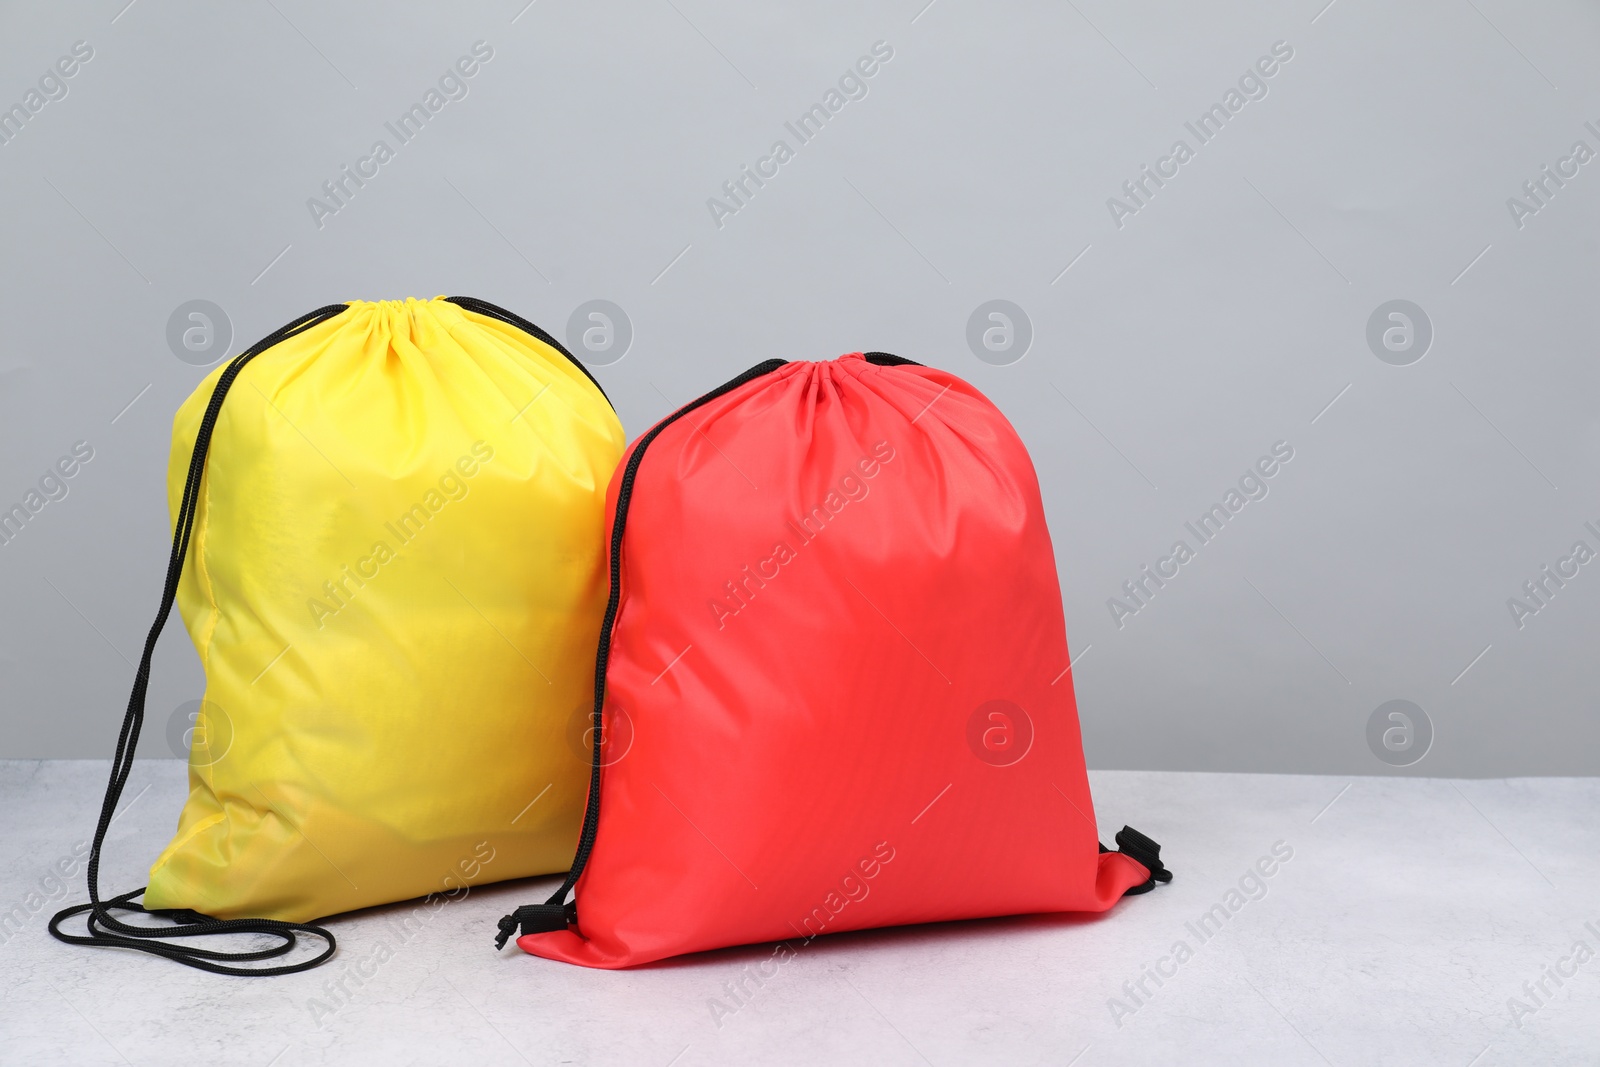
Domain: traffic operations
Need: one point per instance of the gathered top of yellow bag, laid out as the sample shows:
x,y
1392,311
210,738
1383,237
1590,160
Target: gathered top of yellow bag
x,y
394,583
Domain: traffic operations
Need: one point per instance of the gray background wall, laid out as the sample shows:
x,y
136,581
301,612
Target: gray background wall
x,y
1168,352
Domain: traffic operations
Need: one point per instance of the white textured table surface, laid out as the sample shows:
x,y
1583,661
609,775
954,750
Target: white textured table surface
x,y
1410,915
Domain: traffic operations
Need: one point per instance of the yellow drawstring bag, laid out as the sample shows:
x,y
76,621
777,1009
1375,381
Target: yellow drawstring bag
x,y
388,551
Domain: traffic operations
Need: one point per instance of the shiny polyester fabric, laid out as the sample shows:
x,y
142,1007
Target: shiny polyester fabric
x,y
395,586
837,695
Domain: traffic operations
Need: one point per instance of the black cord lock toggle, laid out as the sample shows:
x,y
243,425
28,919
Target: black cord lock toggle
x,y
536,919
1145,852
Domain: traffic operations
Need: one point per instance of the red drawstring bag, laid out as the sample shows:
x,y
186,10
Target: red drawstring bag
x,y
832,685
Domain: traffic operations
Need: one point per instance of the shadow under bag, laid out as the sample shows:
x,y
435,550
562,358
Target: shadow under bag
x,y
832,685
388,550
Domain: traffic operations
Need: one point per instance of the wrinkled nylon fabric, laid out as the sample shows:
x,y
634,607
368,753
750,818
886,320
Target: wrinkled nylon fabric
x,y
395,587
834,579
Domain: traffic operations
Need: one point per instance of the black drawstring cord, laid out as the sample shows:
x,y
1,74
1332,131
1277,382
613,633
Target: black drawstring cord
x,y
104,928
493,311
559,913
